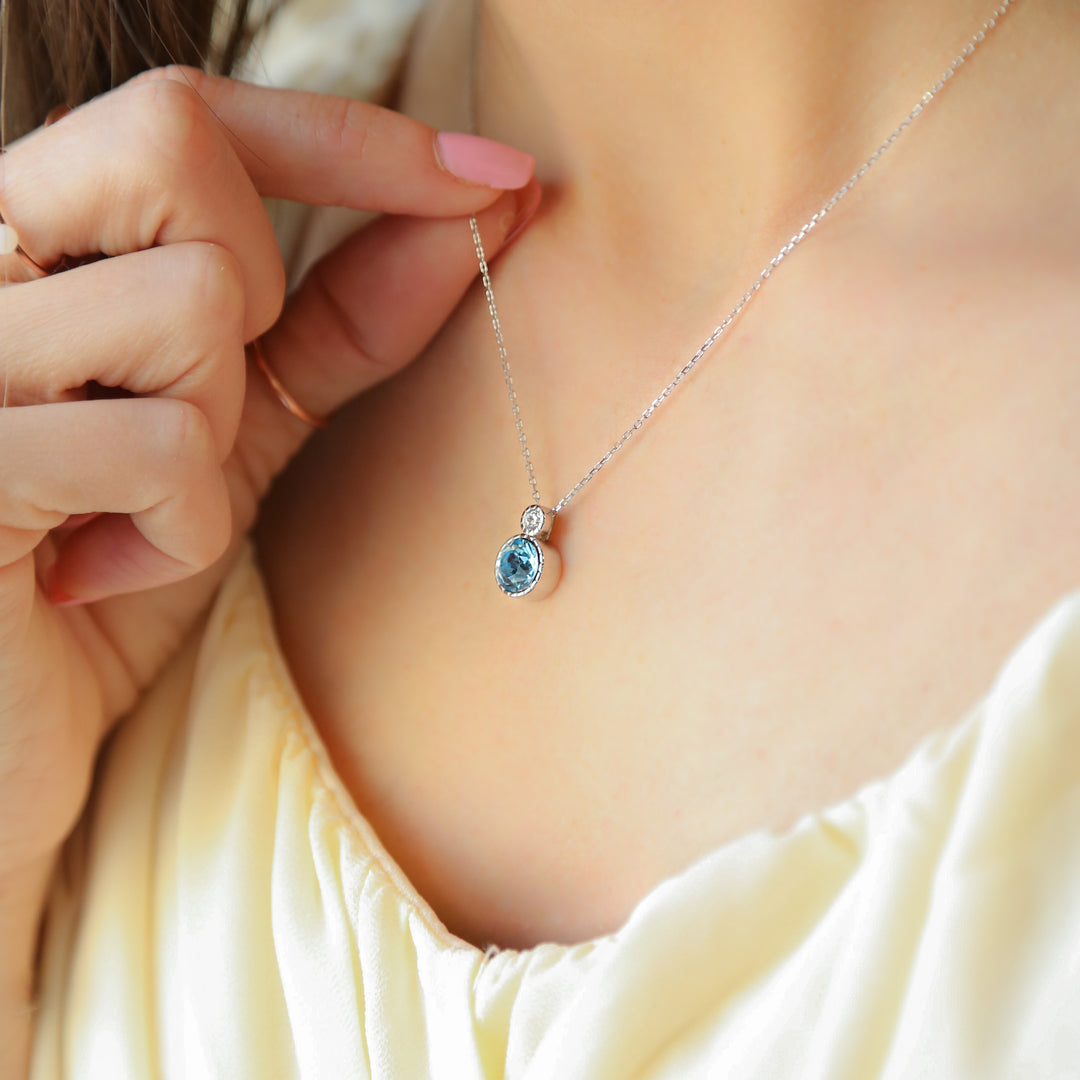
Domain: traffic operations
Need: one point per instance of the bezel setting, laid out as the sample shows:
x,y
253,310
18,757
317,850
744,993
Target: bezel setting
x,y
538,547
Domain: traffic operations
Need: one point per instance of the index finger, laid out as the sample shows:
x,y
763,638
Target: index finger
x,y
336,151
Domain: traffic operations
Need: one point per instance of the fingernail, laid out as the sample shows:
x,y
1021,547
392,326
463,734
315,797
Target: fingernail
x,y
483,161
528,200
58,598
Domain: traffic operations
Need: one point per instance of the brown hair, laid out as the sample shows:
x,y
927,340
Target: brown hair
x,y
55,52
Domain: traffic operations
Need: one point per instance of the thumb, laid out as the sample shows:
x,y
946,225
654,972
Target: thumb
x,y
360,315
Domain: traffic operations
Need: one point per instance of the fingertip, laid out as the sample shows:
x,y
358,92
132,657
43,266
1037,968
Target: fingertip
x,y
56,594
63,600
527,201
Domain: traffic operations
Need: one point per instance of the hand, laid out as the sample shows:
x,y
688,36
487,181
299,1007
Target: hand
x,y
127,510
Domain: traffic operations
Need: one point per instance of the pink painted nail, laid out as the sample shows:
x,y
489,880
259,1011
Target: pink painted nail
x,y
483,161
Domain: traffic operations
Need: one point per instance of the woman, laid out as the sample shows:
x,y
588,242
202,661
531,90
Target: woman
x,y
781,780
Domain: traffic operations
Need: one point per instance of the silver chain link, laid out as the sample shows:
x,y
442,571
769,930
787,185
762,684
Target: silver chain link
x,y
777,259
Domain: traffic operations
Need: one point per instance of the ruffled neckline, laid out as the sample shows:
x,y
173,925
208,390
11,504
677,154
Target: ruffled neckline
x,y
846,819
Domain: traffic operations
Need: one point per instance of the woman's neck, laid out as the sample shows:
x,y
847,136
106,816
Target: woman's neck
x,y
692,136
751,114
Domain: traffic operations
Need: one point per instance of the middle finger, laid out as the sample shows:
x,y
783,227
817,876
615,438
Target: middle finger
x,y
145,165
164,322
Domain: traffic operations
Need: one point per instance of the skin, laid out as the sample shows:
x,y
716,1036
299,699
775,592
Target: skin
x,y
119,514
879,461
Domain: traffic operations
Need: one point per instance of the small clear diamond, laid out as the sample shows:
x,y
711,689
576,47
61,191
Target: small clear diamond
x,y
532,521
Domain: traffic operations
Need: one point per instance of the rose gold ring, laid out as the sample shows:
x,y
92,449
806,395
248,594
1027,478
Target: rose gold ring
x,y
283,395
58,112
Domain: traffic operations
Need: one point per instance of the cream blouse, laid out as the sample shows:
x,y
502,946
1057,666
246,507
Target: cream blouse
x,y
225,911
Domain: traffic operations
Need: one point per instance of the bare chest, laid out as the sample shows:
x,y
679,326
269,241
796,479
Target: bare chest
x,y
761,610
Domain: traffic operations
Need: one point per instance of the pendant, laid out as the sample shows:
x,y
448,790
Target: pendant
x,y
525,565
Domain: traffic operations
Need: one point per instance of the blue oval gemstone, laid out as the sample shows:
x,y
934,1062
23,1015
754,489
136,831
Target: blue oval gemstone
x,y
517,569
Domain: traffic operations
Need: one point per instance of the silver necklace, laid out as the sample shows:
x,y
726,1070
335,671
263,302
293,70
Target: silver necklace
x,y
528,564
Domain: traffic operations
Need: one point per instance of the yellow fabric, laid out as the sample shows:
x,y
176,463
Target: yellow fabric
x,y
228,912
